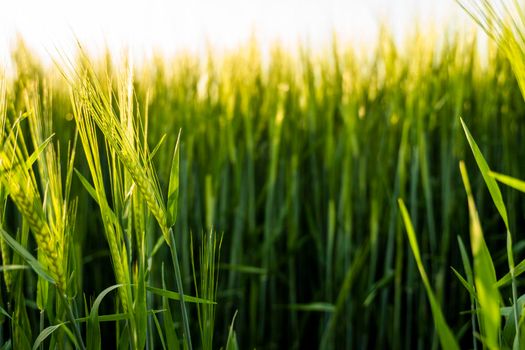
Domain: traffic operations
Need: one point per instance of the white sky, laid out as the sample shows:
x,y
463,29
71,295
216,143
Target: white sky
x,y
171,25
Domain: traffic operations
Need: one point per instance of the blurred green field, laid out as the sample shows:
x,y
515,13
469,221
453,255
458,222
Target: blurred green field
x,y
293,164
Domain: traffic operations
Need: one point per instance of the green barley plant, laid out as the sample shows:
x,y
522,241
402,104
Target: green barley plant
x,y
50,217
504,22
296,158
31,176
206,285
481,282
19,179
133,182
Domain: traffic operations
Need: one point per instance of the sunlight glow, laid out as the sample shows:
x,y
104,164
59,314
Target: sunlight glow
x,y
170,26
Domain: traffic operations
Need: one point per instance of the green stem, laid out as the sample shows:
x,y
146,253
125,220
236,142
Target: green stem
x,y
178,279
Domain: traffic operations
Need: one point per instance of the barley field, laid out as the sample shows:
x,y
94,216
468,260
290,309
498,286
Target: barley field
x,y
335,199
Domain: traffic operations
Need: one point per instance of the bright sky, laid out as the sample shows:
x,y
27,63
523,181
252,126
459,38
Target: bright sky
x,y
172,25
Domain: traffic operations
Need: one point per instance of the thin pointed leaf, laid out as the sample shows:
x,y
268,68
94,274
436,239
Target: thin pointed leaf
x,y
231,342
90,189
94,339
491,183
159,330
509,181
44,334
30,259
465,283
466,261
173,188
518,270
5,313
446,338
484,272
34,156
157,147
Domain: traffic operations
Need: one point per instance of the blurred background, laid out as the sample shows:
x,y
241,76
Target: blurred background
x,y
170,26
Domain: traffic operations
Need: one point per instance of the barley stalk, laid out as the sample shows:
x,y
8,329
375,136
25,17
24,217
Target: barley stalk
x,y
112,228
28,202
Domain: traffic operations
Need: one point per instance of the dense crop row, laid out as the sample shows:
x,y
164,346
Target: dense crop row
x,y
296,161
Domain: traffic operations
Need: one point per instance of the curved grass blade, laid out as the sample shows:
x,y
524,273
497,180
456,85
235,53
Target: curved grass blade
x,y
44,334
93,331
446,338
491,183
30,259
231,342
484,272
497,198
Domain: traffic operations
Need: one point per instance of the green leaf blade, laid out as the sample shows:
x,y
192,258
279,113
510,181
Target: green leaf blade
x,y
173,187
491,183
446,338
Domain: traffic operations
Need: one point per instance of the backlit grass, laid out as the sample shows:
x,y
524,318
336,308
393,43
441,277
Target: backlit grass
x,y
200,202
